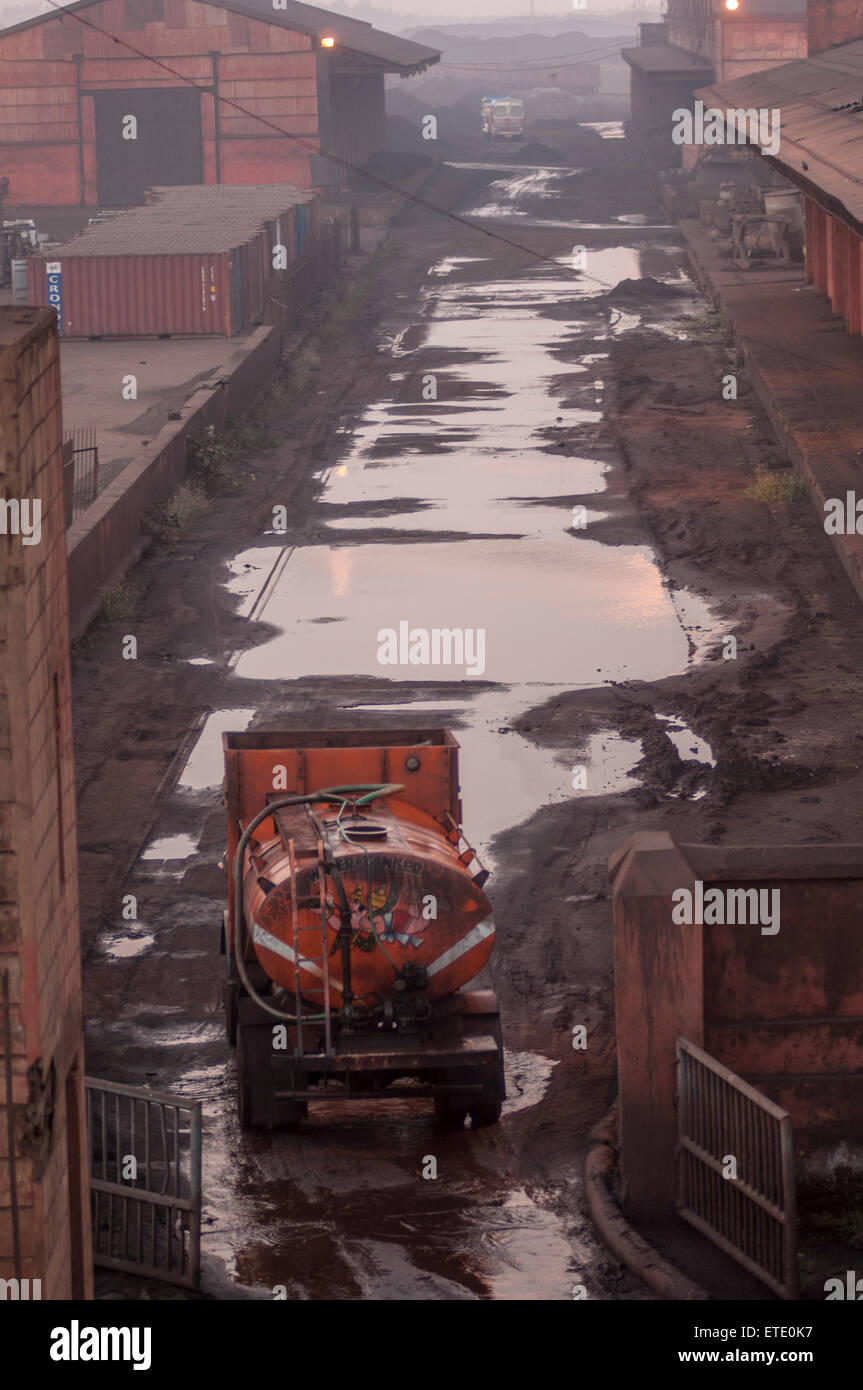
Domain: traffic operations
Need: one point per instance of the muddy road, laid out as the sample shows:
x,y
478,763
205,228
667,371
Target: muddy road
x,y
511,439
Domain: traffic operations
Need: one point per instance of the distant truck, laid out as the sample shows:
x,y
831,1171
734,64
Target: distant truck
x,y
502,116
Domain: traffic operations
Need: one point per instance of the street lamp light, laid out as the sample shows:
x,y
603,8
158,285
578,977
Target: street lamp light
x,y
328,41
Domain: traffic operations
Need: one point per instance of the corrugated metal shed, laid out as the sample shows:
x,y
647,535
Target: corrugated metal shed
x,y
193,260
820,100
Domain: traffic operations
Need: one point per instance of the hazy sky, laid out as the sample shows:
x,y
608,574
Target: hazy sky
x,y
401,11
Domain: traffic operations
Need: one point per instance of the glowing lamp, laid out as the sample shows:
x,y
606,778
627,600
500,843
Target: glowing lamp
x,y
329,42
732,4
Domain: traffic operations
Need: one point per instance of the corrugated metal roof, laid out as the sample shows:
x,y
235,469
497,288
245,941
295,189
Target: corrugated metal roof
x,y
657,58
187,219
390,52
396,53
820,101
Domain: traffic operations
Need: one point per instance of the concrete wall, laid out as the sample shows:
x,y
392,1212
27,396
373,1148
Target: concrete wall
x,y
104,542
653,100
783,1010
39,930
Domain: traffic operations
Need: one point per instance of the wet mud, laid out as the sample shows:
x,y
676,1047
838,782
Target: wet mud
x,y
552,491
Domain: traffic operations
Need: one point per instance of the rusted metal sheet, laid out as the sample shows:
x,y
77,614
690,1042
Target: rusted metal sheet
x,y
736,1169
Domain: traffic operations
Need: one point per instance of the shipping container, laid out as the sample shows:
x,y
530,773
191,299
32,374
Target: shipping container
x,y
194,260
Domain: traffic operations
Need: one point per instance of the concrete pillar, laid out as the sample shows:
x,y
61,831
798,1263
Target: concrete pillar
x,y
659,989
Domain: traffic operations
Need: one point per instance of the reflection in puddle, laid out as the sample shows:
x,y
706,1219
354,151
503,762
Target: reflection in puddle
x,y
608,761
125,947
205,766
689,746
169,847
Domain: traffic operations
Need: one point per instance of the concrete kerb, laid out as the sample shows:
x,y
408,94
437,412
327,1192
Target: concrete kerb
x,y
600,1170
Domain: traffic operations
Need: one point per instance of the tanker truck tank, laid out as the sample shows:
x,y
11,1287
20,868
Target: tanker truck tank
x,y
356,917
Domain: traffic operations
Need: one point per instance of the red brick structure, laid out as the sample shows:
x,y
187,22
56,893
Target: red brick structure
x,y
831,22
702,41
780,1008
44,1204
71,84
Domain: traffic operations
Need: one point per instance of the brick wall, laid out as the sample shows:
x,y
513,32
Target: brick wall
x,y
783,1010
39,933
833,21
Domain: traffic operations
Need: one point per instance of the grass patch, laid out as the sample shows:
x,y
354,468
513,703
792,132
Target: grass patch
x,y
118,603
212,458
775,487
303,367
186,504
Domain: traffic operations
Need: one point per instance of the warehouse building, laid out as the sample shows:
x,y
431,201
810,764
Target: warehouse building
x,y
248,91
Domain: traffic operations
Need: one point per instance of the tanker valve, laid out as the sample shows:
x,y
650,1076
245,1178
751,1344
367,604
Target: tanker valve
x,y
412,977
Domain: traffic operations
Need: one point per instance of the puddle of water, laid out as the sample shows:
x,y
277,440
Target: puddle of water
x,y
205,765
171,847
535,1258
609,130
504,777
451,263
608,760
689,746
527,1078
463,465
610,611
126,947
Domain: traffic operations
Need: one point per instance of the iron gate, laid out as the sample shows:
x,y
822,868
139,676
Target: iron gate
x,y
747,1208
82,488
145,1182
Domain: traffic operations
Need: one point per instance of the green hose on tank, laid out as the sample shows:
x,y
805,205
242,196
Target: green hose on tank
x,y
371,791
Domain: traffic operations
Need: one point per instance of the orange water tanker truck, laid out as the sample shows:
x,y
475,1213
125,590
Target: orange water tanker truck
x,y
356,917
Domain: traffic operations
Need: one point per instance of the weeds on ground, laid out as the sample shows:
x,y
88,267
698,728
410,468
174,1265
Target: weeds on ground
x,y
118,603
304,365
212,457
707,327
186,504
775,487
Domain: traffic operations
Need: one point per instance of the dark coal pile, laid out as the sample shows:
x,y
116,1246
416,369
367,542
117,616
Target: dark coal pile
x,y
637,291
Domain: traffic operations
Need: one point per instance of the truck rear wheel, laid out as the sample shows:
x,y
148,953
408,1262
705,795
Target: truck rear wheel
x,y
486,1113
449,1115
